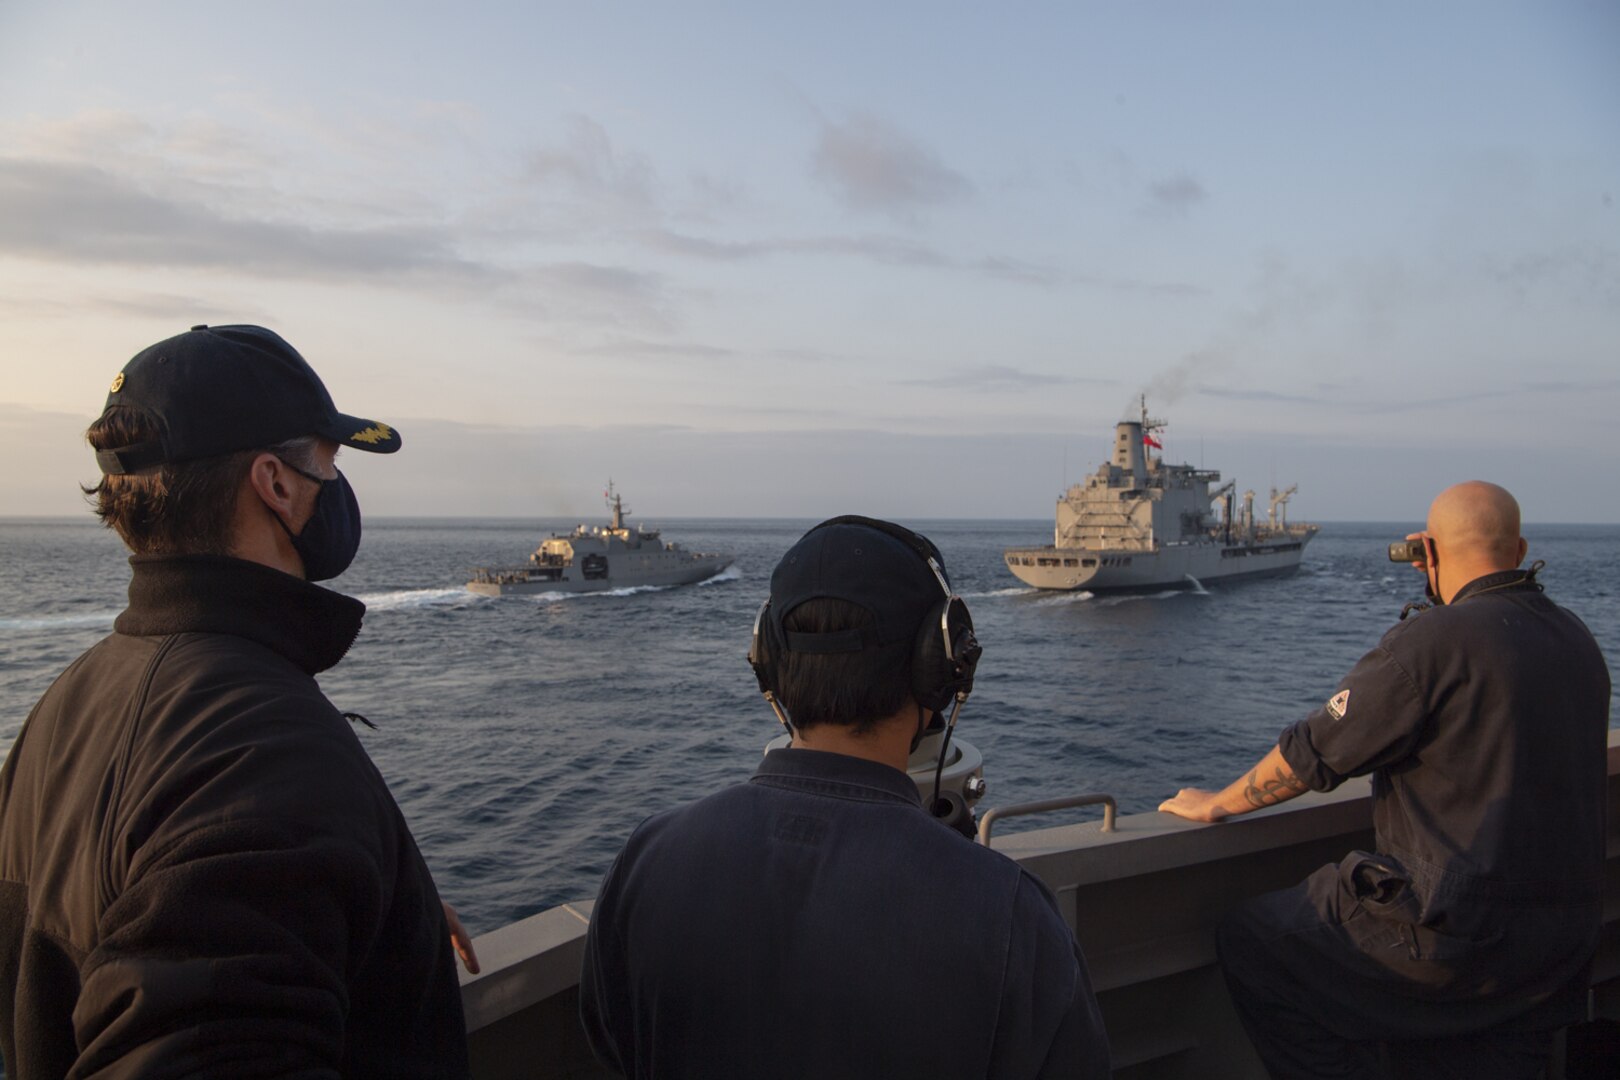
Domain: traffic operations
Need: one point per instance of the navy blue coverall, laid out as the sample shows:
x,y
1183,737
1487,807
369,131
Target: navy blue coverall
x,y
816,922
1467,937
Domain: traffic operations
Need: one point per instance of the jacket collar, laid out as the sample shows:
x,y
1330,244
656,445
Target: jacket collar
x,y
791,767
1502,579
214,594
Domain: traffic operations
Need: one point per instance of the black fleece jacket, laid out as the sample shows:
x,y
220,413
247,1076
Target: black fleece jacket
x,y
201,871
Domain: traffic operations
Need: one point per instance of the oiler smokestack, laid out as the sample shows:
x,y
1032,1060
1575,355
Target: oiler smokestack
x,y
1129,453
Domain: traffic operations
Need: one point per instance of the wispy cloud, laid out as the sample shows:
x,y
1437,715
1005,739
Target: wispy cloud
x,y
75,212
1592,271
56,209
630,348
996,377
1272,397
871,165
606,188
1136,285
1345,402
1584,386
1025,273
192,146
589,166
893,250
624,346
170,306
603,296
702,248
1176,194
902,251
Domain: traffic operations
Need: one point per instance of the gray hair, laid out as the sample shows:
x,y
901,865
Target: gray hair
x,y
299,452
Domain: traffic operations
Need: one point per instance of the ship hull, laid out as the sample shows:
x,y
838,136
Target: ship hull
x,y
522,581
1172,566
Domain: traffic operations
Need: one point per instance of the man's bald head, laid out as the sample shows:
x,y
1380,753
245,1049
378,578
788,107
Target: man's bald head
x,y
1477,522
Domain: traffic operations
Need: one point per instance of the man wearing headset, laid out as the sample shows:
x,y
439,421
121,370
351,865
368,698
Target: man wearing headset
x,y
1458,946
817,921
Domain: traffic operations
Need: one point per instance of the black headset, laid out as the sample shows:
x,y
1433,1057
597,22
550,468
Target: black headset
x,y
943,654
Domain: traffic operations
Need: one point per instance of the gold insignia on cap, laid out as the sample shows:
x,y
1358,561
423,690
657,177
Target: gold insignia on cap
x,y
118,383
374,434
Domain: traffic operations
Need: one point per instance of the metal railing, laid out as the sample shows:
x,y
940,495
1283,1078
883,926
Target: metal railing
x,y
988,822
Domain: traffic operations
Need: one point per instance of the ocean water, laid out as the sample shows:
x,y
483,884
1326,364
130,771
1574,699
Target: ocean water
x,y
525,737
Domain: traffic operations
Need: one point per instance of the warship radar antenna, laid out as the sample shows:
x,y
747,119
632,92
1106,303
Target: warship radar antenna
x,y
616,504
1149,426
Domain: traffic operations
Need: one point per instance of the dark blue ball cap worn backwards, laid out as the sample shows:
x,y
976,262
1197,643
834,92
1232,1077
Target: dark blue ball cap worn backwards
x,y
219,389
878,565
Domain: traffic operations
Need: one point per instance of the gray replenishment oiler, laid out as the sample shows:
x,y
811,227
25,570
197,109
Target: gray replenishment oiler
x,y
1138,523
600,557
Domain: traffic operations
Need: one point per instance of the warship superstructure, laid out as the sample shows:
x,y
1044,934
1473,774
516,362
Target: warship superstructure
x,y
595,558
1139,523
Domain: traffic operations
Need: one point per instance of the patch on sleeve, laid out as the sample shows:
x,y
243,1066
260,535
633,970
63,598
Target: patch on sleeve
x,y
1339,704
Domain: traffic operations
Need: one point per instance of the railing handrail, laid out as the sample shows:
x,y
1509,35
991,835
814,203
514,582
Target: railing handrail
x,y
1109,805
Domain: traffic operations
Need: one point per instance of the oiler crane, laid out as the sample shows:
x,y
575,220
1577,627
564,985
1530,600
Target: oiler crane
x,y
1223,495
1280,500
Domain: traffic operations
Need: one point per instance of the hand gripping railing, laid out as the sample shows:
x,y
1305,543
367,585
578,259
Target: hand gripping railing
x,y
988,822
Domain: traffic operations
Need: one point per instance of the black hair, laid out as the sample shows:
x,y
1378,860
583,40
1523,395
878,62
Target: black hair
x,y
851,689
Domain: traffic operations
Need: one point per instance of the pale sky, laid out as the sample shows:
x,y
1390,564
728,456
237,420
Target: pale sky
x,y
909,259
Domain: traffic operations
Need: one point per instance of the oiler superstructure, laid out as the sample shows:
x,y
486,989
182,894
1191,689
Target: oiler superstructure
x,y
595,558
1139,523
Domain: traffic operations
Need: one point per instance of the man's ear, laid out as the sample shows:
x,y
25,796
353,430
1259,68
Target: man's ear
x,y
272,481
1524,547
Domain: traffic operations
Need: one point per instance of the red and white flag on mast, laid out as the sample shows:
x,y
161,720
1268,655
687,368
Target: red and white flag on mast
x,y
1149,440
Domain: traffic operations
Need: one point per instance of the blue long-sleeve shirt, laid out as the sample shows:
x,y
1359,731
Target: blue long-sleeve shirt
x,y
816,922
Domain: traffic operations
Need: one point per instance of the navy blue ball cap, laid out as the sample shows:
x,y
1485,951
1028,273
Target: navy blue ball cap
x,y
219,389
877,565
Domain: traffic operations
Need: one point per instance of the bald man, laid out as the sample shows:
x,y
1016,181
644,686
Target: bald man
x,y
1458,946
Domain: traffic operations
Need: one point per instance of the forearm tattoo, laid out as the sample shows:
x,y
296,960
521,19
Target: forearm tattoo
x,y
1285,785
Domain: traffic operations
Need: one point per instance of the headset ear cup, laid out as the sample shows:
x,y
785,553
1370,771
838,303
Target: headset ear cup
x,y
930,671
762,652
935,679
964,647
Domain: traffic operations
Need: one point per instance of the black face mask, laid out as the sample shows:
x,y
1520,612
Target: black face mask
x,y
331,536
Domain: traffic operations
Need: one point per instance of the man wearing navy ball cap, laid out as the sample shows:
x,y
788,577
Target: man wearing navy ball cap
x,y
201,871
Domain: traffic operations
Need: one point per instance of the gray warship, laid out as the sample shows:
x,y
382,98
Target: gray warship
x,y
1139,523
596,558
